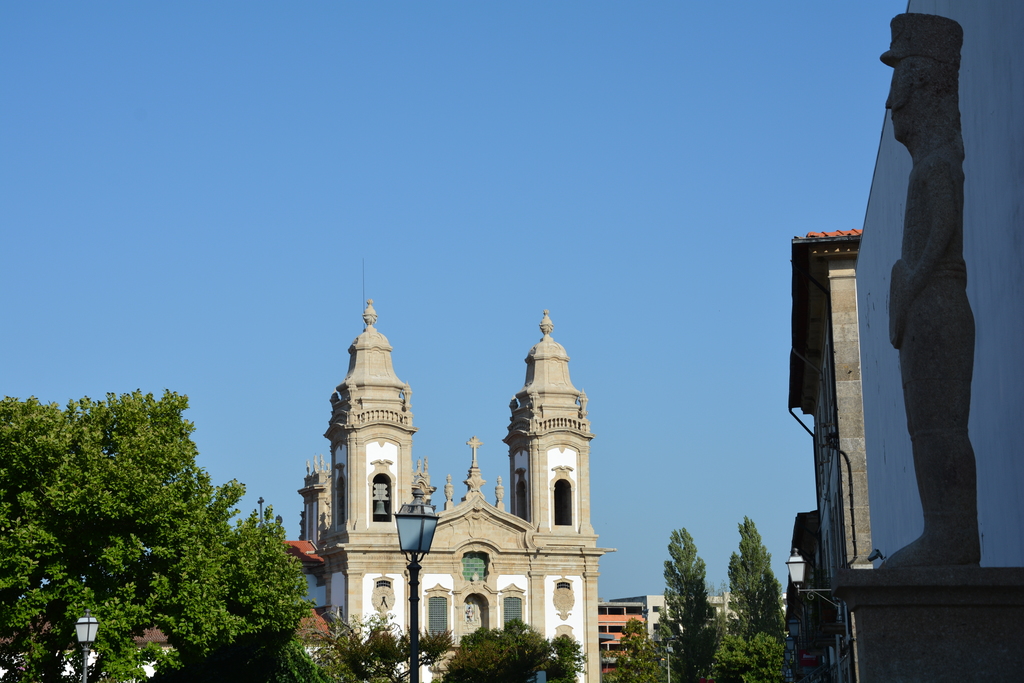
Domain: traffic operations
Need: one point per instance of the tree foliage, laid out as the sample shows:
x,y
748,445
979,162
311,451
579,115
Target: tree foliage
x,y
512,655
372,651
637,659
256,658
758,660
102,506
688,621
567,660
757,595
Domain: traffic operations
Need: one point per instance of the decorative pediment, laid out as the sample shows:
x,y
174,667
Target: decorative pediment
x,y
478,519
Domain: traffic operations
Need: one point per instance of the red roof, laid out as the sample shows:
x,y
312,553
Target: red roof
x,y
837,233
314,621
305,551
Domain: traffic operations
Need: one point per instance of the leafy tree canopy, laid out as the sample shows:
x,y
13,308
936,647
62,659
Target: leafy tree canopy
x,y
637,660
688,623
102,506
758,660
512,655
756,593
374,650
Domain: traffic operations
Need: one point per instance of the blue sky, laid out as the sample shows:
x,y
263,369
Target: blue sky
x,y
188,192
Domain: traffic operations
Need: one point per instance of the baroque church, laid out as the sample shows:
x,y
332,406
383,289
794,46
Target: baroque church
x,y
531,554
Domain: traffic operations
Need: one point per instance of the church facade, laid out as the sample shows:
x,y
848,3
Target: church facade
x,y
532,554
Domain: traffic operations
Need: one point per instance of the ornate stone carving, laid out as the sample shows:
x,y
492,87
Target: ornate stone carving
x,y
449,493
499,495
930,318
473,480
565,630
383,597
563,598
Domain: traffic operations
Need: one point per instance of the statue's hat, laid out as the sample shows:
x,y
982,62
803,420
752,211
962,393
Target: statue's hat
x,y
924,35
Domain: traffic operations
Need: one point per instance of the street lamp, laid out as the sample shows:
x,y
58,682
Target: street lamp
x,y
85,630
416,525
798,574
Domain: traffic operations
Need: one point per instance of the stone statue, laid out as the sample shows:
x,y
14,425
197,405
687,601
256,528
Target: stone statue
x,y
449,492
499,495
930,319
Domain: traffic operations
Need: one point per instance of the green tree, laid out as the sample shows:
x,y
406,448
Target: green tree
x,y
758,660
637,660
373,650
567,660
513,655
259,658
102,506
688,622
756,594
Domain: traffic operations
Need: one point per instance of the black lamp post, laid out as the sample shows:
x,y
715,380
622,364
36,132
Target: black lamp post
x,y
416,525
85,630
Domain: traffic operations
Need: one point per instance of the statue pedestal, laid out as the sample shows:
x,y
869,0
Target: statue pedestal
x,y
936,623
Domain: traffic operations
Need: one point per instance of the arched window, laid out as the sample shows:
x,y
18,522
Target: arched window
x,y
381,498
512,608
563,503
474,566
437,615
339,502
521,508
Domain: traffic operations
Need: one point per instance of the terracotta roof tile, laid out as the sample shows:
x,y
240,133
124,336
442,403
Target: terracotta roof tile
x,y
305,551
837,233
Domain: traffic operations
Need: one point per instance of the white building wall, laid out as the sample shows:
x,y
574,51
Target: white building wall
x,y
397,610
339,595
992,113
577,619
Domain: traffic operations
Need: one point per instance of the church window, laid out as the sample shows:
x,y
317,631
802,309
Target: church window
x,y
474,566
437,619
513,609
521,508
564,584
563,503
339,501
381,498
383,583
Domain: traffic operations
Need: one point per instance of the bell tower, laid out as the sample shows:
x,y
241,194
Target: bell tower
x,y
370,432
549,445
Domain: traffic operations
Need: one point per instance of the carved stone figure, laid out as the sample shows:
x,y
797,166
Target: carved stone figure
x,y
449,492
930,319
499,495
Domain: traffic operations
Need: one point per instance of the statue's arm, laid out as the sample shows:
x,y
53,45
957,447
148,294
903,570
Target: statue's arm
x,y
940,217
943,218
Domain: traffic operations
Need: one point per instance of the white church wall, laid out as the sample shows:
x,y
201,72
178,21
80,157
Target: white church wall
x,y
576,618
398,609
339,593
992,113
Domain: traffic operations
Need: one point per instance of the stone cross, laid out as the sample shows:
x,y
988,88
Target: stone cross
x,y
474,443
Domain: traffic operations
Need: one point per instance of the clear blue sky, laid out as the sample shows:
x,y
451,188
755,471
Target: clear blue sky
x,y
188,191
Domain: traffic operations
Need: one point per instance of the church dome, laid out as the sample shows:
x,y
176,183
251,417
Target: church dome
x,y
369,365
547,364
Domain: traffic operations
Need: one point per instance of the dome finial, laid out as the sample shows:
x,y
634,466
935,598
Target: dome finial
x,y
369,315
546,326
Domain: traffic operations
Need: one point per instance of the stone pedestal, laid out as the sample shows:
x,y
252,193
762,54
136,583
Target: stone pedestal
x,y
937,623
